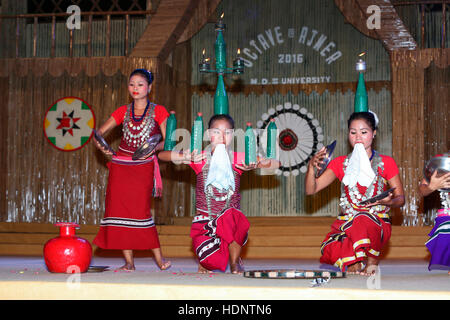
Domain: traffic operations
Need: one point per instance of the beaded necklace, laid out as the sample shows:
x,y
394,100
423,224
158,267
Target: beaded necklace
x,y
136,134
143,115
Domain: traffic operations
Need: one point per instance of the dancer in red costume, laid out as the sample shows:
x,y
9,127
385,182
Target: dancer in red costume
x,y
360,232
128,224
219,229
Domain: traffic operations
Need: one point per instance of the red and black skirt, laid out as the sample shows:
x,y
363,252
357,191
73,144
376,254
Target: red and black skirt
x,y
128,223
354,238
211,238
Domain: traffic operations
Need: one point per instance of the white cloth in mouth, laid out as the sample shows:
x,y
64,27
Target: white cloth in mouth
x,y
358,169
220,173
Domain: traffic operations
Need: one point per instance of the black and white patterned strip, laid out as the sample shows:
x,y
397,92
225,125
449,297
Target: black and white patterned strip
x,y
207,248
201,219
127,223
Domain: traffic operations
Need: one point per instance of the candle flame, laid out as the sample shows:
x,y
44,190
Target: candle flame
x,y
221,16
361,54
207,59
204,51
239,51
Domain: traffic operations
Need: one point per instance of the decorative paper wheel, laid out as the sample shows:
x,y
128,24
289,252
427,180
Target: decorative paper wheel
x,y
69,124
300,136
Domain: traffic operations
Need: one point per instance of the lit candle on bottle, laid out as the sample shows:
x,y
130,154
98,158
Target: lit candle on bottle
x,y
361,64
238,63
204,65
220,25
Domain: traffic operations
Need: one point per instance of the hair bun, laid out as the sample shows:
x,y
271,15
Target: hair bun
x,y
148,74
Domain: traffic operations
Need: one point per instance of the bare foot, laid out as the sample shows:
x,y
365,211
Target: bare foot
x,y
202,269
164,265
237,267
127,267
371,268
355,268
157,254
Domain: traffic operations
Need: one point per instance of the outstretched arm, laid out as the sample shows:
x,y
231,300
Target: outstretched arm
x,y
261,164
179,157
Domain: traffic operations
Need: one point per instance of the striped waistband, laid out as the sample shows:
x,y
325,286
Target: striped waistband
x,y
202,218
384,216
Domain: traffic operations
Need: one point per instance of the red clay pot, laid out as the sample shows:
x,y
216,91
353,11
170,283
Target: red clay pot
x,y
67,253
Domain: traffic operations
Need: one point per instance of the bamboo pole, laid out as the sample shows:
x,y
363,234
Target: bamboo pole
x,y
444,26
422,26
53,36
108,36
71,43
35,36
17,37
127,27
87,13
89,40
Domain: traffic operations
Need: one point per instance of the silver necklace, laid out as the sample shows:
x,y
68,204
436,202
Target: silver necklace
x,y
209,194
143,129
348,207
445,199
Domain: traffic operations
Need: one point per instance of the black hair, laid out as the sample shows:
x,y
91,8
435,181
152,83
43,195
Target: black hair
x,y
148,75
368,117
221,117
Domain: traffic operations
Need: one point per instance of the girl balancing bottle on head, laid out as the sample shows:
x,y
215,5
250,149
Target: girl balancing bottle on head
x,y
128,224
354,243
219,229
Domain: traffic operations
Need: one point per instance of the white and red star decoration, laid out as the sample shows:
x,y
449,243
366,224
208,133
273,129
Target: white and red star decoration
x,y
69,124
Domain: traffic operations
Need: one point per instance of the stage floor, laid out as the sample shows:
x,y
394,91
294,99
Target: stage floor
x,y
28,278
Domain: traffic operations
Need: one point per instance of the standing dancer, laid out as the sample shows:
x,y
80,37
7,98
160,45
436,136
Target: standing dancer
x,y
360,231
128,224
219,229
439,242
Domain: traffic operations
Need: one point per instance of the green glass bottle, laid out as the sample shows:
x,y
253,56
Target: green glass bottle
x,y
171,126
250,145
220,97
197,134
220,49
272,140
361,103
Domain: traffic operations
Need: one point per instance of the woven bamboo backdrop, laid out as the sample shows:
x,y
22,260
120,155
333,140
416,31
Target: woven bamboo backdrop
x,y
44,184
437,130
419,107
99,29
